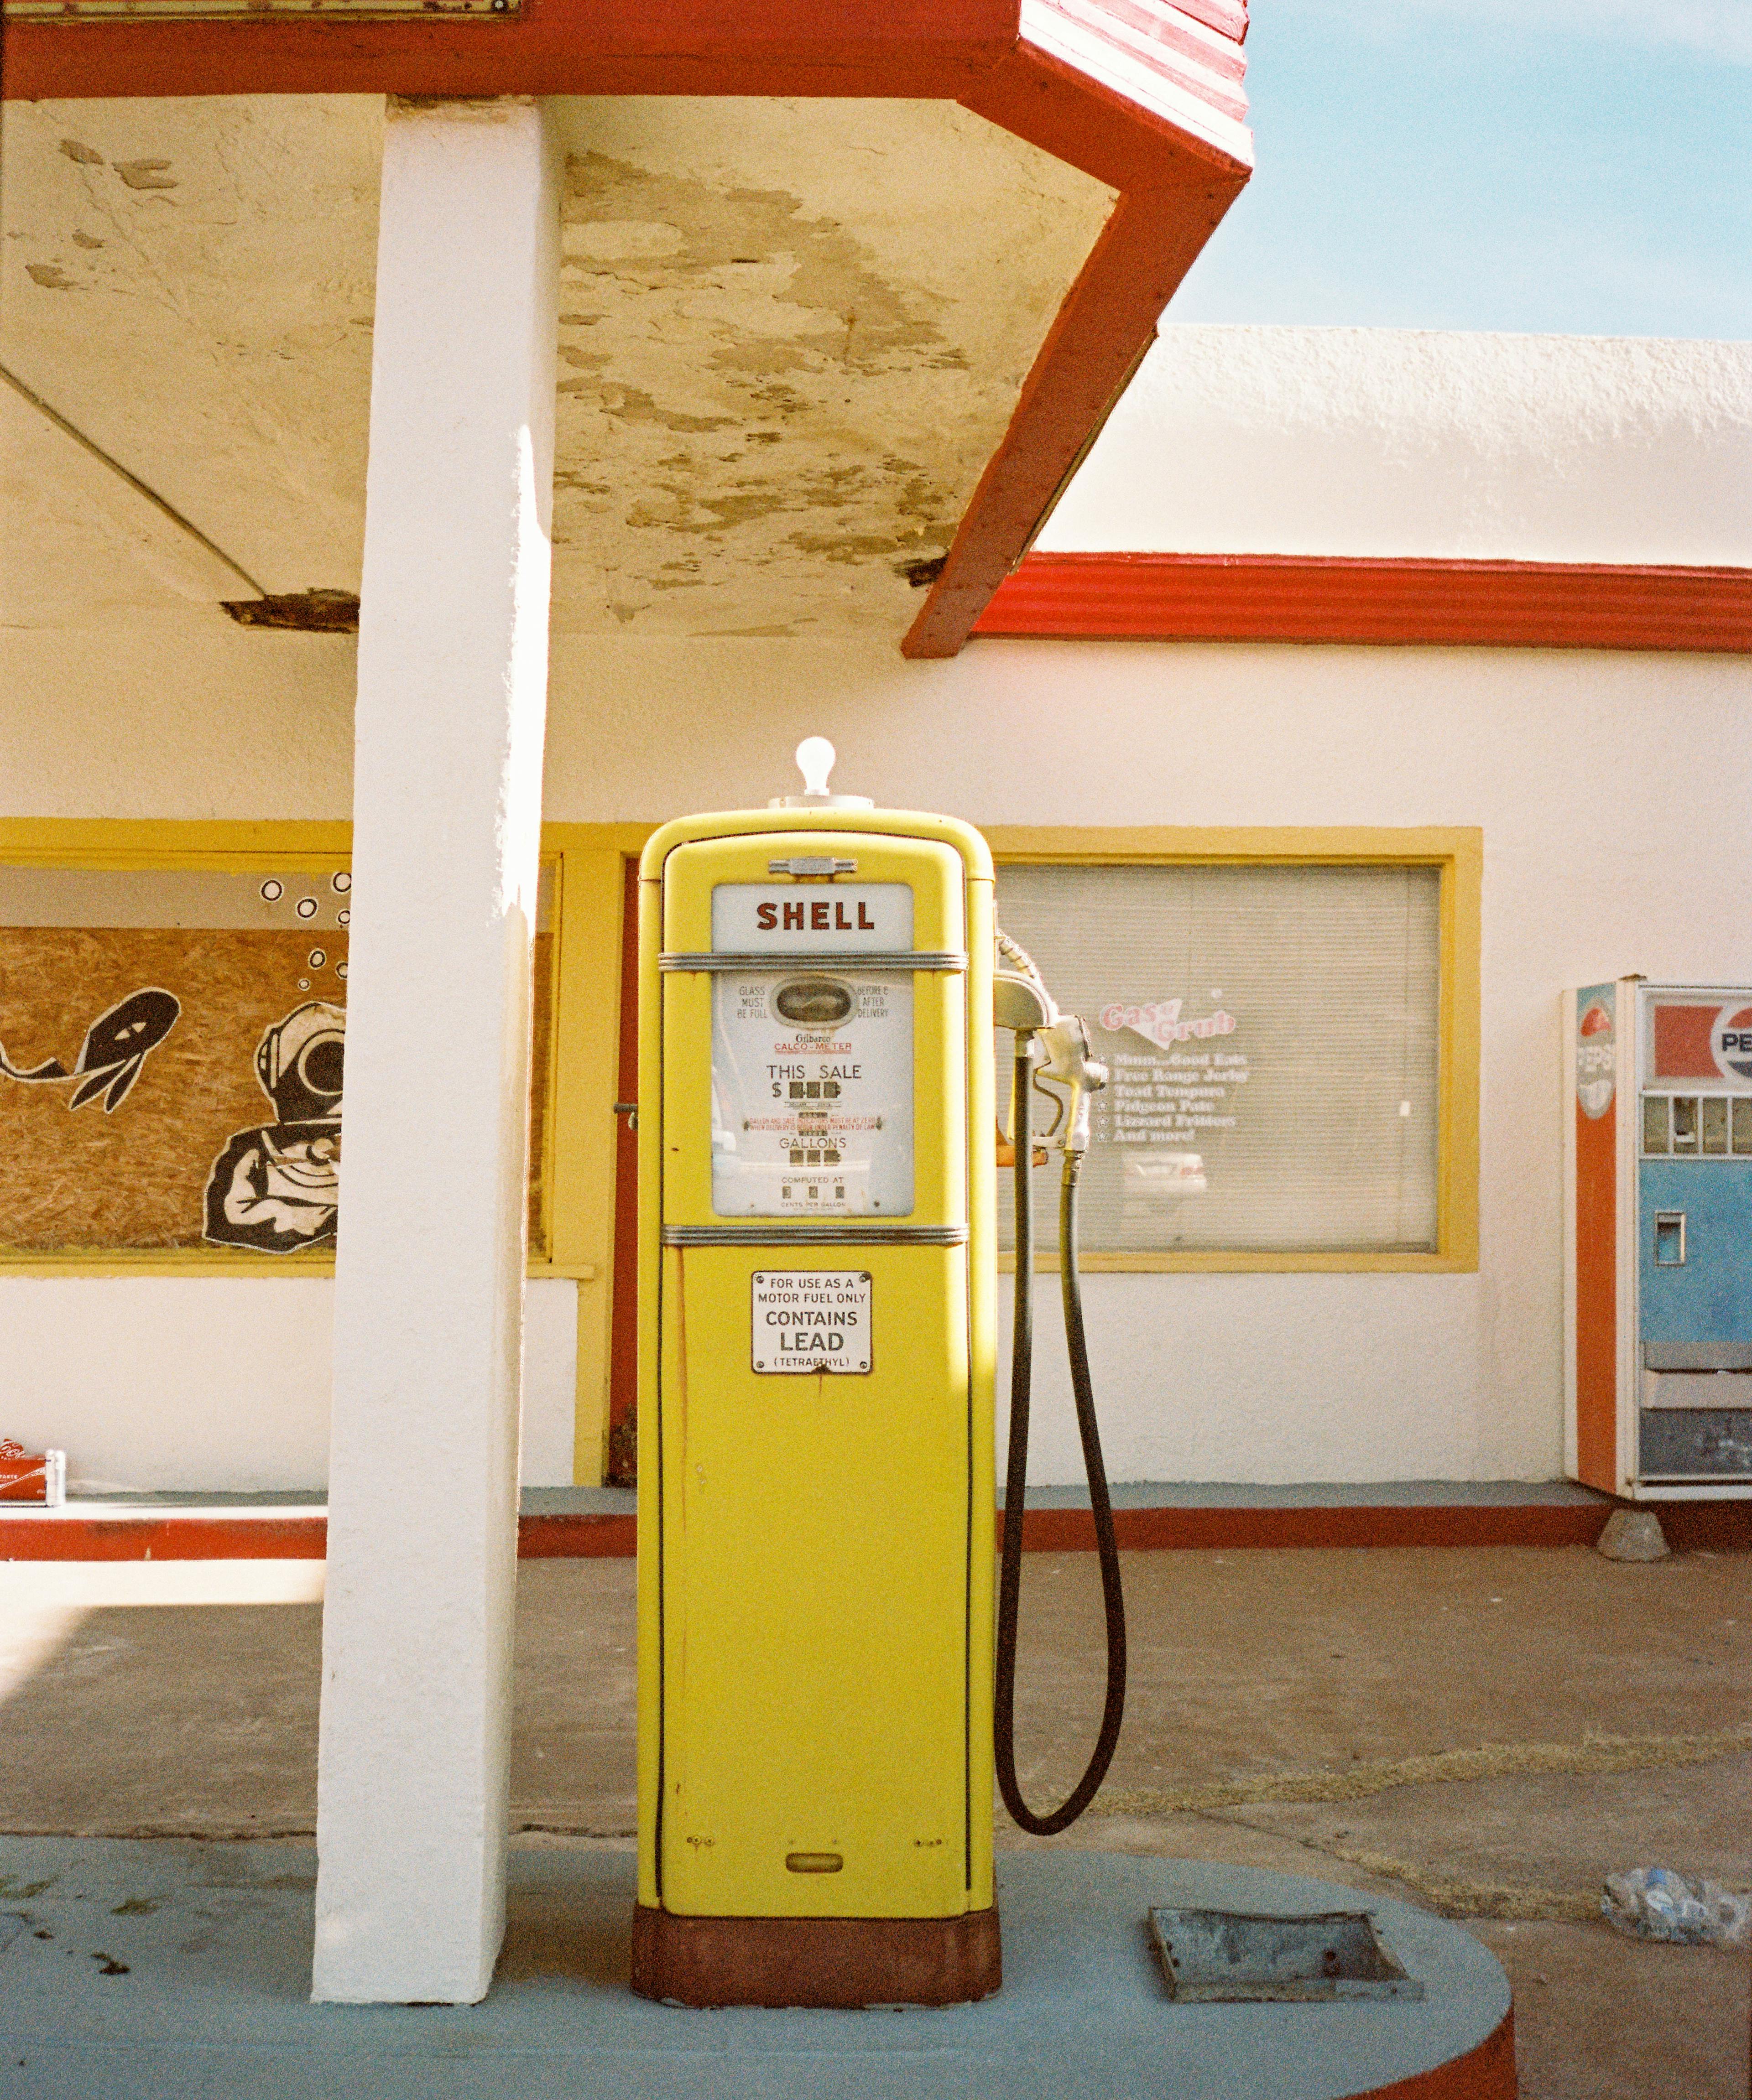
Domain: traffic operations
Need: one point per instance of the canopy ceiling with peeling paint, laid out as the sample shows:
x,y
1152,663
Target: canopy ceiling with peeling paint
x,y
798,338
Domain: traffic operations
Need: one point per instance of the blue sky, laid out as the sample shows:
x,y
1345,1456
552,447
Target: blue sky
x,y
1581,166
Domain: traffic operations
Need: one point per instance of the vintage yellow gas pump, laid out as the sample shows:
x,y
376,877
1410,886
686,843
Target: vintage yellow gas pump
x,y
817,1180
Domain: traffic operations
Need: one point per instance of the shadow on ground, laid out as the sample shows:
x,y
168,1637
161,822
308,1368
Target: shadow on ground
x,y
1484,1733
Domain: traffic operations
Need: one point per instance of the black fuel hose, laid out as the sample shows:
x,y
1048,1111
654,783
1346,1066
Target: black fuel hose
x,y
1010,1564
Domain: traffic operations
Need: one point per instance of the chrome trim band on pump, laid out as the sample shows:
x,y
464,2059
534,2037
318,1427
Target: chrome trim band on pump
x,y
883,958
776,1232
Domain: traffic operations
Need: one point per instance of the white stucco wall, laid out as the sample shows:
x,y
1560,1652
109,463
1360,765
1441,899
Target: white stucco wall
x,y
1611,844
1611,789
1407,441
222,1382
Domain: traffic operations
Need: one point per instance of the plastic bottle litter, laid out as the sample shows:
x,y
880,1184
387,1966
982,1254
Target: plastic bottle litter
x,y
1654,1903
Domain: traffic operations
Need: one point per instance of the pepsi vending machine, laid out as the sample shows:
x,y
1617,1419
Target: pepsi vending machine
x,y
1658,1239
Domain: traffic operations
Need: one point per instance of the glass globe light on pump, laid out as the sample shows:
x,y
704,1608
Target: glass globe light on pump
x,y
815,761
815,758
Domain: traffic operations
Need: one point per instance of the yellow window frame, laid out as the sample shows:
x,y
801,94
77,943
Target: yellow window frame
x,y
1457,852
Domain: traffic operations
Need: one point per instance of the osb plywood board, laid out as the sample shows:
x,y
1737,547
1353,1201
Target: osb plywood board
x,y
135,1176
164,1097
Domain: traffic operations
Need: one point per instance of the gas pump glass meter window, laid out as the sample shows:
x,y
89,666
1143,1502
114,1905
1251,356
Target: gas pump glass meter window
x,y
811,1061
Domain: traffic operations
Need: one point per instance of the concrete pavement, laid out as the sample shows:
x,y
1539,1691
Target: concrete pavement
x,y
1483,1733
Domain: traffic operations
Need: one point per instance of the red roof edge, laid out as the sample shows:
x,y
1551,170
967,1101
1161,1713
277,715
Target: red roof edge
x,y
1376,601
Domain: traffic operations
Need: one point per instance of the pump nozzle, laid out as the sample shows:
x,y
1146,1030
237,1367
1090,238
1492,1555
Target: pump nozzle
x,y
1070,1066
1021,1001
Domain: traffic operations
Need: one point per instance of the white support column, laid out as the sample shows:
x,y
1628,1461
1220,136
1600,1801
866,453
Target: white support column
x,y
446,802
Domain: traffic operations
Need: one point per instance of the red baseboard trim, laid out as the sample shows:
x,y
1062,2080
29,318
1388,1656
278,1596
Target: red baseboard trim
x,y
1351,1525
170,1538
1720,1527
1220,1529
1402,602
582,1537
181,1537
1706,1527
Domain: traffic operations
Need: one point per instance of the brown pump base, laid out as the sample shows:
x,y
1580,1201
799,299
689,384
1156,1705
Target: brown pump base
x,y
843,1962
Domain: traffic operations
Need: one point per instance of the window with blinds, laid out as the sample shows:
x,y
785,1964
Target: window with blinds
x,y
1272,1039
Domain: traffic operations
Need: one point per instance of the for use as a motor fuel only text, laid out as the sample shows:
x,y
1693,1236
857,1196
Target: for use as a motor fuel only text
x,y
810,1319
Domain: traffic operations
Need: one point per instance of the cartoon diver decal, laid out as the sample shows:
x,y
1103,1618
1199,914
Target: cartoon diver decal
x,y
116,1046
274,1188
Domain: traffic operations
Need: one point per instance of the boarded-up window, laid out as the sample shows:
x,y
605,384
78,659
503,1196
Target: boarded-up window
x,y
1273,1039
172,1055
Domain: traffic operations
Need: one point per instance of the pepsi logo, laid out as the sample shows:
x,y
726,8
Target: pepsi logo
x,y
1595,1059
1731,1039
